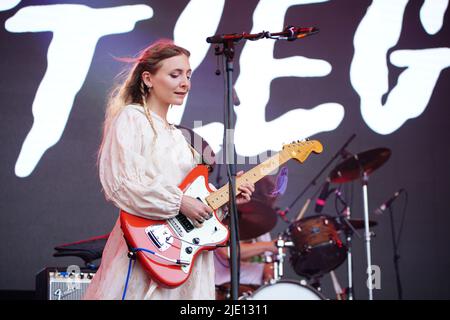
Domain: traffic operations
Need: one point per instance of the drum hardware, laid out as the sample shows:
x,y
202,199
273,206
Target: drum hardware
x,y
348,232
350,290
360,166
300,215
345,215
282,214
326,239
313,236
268,259
278,264
318,245
278,270
349,227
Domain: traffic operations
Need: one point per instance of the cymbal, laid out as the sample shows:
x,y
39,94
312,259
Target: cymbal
x,y
255,219
368,161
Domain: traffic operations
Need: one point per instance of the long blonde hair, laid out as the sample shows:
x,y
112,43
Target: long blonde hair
x,y
132,90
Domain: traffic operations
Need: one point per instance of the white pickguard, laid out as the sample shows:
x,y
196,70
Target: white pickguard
x,y
211,233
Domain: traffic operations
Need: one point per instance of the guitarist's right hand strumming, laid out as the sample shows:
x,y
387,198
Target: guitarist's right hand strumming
x,y
195,210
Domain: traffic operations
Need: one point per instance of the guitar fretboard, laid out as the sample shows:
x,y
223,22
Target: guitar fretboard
x,y
221,196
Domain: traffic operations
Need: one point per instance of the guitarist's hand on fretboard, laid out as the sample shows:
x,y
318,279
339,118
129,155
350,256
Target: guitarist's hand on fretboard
x,y
245,189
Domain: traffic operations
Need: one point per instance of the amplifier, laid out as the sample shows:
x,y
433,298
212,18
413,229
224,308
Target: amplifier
x,y
63,283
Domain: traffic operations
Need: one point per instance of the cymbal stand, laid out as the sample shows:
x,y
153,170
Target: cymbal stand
x,y
350,290
348,234
365,181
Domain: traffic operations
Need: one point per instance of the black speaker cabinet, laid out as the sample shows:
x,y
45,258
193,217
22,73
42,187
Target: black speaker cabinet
x,y
63,283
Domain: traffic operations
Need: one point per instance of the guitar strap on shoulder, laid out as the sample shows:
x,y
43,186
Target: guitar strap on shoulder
x,y
189,135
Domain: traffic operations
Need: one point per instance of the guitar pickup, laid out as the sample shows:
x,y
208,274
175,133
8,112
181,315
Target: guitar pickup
x,y
184,221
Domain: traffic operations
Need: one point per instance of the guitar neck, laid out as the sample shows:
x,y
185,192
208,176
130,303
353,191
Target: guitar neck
x,y
222,196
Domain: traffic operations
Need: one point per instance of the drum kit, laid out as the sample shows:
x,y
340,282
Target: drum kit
x,y
316,245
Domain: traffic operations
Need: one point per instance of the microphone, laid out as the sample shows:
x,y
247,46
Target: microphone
x,y
291,33
387,204
321,200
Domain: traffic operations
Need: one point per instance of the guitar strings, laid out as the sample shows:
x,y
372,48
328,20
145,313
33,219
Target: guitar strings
x,y
191,243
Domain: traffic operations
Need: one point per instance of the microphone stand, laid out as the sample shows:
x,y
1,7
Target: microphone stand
x,y
367,234
227,41
396,256
230,156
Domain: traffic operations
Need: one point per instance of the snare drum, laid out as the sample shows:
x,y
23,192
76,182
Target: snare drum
x,y
286,290
318,246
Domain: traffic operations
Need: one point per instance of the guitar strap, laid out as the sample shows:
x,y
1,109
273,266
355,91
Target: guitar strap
x,y
191,136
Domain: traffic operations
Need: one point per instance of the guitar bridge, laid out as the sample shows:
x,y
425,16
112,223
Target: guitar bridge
x,y
160,235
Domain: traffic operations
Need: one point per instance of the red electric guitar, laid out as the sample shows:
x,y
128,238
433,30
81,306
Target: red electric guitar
x,y
172,245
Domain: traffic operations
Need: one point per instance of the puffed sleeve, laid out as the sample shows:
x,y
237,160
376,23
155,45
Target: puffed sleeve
x,y
125,175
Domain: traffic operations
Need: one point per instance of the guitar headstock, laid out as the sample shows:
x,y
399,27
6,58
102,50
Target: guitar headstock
x,y
300,150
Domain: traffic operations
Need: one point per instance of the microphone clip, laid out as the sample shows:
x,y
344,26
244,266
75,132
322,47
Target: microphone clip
x,y
290,30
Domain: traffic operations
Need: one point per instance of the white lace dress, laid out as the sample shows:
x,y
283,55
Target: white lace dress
x,y
142,178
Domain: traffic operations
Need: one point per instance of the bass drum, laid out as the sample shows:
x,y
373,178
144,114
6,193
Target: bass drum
x,y
286,290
